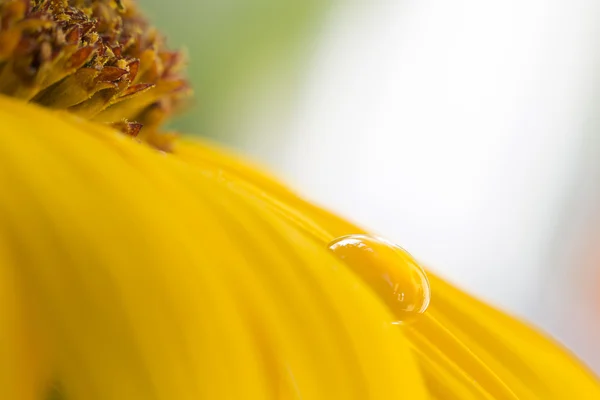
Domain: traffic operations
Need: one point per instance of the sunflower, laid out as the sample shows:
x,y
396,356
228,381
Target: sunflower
x,y
135,264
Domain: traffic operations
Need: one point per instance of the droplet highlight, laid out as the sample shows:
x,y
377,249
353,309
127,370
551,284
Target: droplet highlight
x,y
389,270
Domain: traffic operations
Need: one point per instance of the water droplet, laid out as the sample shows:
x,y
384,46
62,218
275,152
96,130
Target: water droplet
x,y
389,270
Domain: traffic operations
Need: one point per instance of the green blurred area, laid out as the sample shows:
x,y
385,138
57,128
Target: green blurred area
x,y
234,46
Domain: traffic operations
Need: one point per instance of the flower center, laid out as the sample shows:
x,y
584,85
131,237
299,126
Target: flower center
x,y
99,59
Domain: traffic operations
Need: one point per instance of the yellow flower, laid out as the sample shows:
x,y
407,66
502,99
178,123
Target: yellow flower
x,y
131,273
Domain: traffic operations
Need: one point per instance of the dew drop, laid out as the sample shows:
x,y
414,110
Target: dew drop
x,y
389,270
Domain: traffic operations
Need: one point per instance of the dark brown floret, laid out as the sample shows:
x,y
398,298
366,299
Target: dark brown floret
x,y
99,59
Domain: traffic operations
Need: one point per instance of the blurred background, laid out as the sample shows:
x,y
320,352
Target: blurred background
x,y
468,132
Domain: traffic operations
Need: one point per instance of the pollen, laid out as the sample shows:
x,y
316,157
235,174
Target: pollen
x,y
98,59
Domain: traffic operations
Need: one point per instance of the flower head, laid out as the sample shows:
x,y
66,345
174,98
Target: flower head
x,y
98,59
130,273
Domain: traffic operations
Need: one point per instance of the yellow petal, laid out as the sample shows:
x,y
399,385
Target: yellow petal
x,y
466,349
149,277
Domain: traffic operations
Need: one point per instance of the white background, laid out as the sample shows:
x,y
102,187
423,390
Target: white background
x,y
459,130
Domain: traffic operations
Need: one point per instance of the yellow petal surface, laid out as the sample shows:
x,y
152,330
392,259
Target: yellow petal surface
x,y
127,273
466,349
